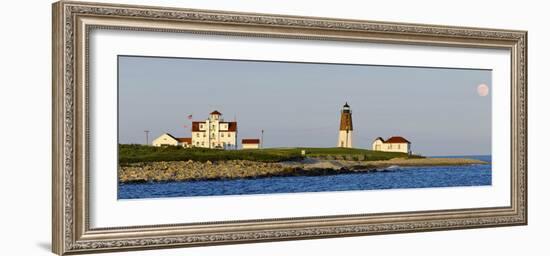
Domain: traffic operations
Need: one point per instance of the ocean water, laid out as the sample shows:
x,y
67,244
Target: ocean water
x,y
391,178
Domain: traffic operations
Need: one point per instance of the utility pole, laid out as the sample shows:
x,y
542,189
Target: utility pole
x,y
146,137
262,141
236,133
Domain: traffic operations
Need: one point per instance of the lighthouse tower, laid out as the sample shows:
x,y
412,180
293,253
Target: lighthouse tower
x,y
346,128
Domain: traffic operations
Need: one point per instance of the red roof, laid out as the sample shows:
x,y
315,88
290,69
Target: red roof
x,y
231,126
215,112
186,140
251,141
397,139
195,126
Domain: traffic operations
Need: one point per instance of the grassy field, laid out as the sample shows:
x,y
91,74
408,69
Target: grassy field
x,y
141,153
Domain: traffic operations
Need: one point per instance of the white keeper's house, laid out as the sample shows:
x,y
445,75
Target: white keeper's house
x,y
214,132
392,144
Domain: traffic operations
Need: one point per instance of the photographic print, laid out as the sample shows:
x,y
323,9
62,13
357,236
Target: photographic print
x,y
177,127
215,127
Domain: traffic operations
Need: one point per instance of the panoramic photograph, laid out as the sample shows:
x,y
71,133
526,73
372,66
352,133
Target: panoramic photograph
x,y
211,127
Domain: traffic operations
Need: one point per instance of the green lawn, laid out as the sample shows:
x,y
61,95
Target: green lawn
x,y
141,153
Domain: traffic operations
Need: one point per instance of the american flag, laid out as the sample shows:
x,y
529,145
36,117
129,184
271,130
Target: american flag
x,y
190,117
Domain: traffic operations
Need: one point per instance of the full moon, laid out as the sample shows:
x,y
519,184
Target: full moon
x,y
483,90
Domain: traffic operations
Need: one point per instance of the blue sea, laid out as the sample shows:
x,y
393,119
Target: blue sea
x,y
391,178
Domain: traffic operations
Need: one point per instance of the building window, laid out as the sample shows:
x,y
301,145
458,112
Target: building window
x,y
398,146
204,135
229,135
222,135
202,143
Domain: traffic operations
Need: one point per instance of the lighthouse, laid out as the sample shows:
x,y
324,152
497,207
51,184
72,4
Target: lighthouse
x,y
346,127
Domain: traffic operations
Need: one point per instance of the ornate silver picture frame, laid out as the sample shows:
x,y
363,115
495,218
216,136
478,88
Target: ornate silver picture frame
x,y
74,21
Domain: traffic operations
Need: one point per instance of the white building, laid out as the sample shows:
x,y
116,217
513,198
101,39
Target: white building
x,y
167,139
251,143
393,144
346,128
214,133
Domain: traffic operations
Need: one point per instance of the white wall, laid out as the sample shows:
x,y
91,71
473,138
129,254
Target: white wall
x,y
25,109
391,147
251,146
345,139
164,139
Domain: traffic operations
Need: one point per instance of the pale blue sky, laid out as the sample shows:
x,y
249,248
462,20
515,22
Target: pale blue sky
x,y
298,104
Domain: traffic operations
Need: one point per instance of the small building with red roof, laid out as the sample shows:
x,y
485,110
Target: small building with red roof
x,y
392,144
250,143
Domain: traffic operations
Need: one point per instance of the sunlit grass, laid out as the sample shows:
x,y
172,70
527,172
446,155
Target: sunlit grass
x,y
141,153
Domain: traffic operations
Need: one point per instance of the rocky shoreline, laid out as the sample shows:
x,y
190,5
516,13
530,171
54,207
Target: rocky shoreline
x,y
244,169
